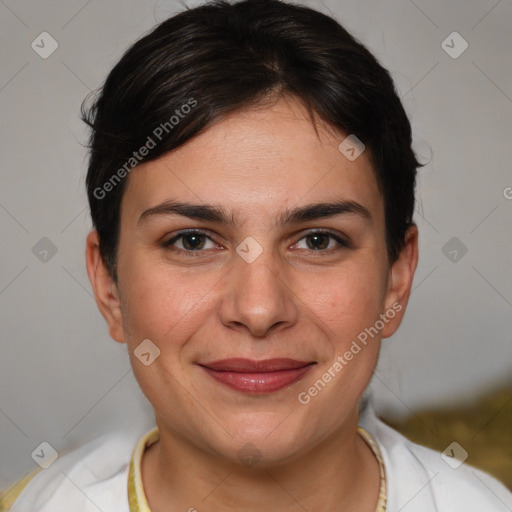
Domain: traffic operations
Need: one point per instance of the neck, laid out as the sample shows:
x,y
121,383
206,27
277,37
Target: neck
x,y
340,474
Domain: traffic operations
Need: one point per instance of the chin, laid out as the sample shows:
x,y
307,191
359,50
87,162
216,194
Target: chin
x,y
262,439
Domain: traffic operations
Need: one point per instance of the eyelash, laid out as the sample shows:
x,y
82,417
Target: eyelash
x,y
344,244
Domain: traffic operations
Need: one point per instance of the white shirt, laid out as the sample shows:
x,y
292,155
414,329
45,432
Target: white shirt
x,y
94,478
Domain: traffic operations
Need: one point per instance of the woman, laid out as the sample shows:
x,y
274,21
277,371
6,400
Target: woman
x,y
251,184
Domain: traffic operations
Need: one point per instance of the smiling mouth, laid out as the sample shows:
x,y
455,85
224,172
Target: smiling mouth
x,y
252,376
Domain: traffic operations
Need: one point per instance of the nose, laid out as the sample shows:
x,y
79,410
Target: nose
x,y
258,297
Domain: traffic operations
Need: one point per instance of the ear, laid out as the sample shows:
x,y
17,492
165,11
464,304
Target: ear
x,y
400,279
105,289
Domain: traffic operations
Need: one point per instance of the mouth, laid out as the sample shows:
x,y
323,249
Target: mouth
x,y
252,376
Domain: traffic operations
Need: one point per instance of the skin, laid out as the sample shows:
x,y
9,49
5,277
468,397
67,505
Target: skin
x,y
292,301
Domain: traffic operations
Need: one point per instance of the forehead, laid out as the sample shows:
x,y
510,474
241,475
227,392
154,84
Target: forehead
x,y
257,160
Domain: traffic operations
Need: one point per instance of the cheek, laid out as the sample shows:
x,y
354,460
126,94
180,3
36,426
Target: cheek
x,y
165,306
346,300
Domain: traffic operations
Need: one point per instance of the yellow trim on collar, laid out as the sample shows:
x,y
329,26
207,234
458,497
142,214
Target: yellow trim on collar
x,y
9,497
138,501
383,493
136,496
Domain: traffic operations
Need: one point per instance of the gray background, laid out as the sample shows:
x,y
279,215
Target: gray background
x,y
64,381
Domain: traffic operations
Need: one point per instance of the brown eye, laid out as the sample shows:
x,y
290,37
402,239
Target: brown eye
x,y
193,242
322,241
318,241
190,241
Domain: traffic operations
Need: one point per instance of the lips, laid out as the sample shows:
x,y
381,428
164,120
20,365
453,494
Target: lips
x,y
252,376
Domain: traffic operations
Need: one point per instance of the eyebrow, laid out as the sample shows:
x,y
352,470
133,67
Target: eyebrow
x,y
219,215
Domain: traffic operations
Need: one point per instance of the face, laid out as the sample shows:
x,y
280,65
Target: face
x,y
257,240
